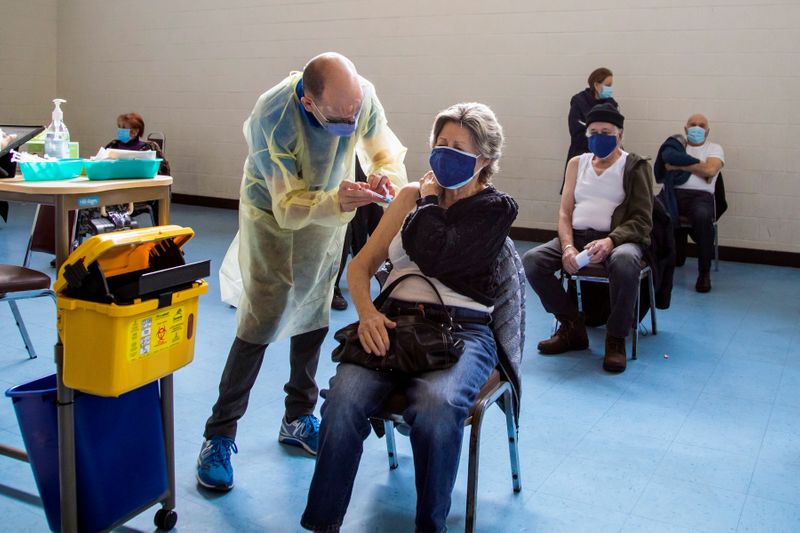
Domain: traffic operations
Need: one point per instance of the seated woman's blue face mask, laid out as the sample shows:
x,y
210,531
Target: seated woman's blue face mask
x,y
124,135
453,168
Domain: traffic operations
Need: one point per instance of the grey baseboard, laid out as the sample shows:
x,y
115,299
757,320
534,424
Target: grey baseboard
x,y
726,253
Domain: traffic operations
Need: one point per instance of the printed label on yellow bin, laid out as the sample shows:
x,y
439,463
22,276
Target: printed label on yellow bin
x,y
156,332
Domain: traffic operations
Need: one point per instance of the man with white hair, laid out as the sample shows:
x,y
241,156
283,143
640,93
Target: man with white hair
x,y
298,193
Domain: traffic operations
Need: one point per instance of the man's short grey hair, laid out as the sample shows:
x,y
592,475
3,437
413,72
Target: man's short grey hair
x,y
486,132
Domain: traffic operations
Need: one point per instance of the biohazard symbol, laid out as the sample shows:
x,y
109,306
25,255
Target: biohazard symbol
x,y
162,332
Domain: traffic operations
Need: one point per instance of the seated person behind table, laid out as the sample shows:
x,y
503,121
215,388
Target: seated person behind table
x,y
130,128
606,208
449,227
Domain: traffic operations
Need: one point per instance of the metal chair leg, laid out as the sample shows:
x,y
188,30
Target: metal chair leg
x,y
513,438
652,289
475,422
716,248
22,329
580,298
565,285
636,325
391,445
472,468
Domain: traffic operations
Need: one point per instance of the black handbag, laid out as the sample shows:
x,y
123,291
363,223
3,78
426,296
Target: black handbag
x,y
418,344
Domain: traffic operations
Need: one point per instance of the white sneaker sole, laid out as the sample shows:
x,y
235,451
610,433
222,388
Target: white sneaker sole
x,y
297,443
219,488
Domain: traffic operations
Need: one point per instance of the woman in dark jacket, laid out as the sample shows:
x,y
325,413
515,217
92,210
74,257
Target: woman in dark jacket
x,y
450,228
130,128
599,90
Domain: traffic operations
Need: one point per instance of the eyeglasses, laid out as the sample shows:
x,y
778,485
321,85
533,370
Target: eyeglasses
x,y
326,120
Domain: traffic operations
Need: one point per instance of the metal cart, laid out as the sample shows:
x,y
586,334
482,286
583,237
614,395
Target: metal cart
x,y
67,196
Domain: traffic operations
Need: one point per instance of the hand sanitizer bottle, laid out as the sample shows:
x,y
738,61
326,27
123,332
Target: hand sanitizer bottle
x,y
56,138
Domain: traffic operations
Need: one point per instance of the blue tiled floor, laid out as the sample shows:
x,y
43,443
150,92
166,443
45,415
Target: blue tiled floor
x,y
701,433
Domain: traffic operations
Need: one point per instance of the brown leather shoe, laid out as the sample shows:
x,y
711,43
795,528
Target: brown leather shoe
x,y
703,282
338,302
615,359
571,335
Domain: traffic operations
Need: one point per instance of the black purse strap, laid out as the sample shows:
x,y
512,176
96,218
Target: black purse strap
x,y
385,293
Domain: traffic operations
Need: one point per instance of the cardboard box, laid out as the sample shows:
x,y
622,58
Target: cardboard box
x,y
36,146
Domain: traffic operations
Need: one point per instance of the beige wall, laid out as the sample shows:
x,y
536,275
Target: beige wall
x,y
194,69
28,36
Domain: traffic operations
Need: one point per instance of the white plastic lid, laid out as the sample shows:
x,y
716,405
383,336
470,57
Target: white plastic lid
x,y
58,115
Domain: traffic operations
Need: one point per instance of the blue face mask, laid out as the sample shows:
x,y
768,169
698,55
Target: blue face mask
x,y
341,129
124,134
606,91
452,168
696,134
602,145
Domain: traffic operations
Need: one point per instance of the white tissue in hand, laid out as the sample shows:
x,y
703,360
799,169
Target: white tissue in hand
x,y
582,259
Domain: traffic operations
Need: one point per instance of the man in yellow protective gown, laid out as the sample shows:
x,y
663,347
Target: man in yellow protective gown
x,y
298,193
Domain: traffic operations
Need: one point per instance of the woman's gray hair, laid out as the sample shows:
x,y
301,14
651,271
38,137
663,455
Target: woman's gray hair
x,y
486,132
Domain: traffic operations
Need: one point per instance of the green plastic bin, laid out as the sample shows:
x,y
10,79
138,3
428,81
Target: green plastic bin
x,y
122,169
63,169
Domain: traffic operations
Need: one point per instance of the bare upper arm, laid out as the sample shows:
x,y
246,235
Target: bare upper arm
x,y
570,179
376,250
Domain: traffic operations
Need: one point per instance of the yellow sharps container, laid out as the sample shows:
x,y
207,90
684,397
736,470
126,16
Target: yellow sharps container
x,y
127,309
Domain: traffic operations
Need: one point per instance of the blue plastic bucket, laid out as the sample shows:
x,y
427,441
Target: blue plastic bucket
x,y
118,169
64,169
119,451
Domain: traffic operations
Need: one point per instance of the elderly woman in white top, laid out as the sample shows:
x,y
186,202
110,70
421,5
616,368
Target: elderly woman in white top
x,y
606,210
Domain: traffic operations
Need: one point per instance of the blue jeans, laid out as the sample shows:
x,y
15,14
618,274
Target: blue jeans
x,y
438,405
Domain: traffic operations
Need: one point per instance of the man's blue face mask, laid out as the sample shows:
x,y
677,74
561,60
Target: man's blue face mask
x,y
606,91
696,135
338,128
452,168
124,135
602,145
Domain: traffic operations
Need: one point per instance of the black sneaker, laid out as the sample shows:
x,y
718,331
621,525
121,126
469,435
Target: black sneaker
x,y
338,302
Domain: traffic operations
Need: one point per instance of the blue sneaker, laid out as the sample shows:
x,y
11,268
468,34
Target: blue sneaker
x,y
214,470
302,432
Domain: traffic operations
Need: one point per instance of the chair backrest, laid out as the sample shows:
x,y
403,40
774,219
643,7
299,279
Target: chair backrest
x,y
510,302
159,138
720,201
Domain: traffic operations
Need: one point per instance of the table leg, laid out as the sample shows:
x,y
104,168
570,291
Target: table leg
x,y
66,448
62,232
163,207
65,397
